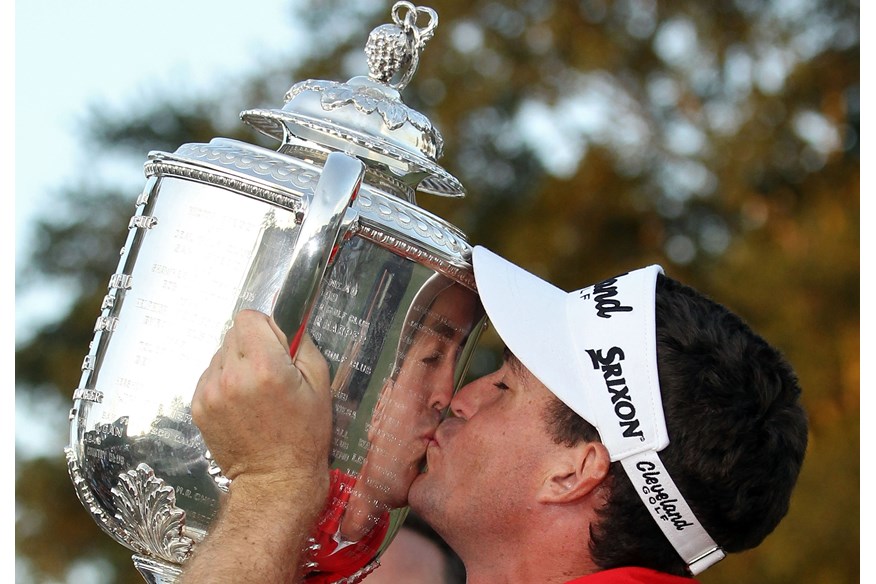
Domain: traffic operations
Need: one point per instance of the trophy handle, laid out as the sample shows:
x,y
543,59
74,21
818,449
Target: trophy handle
x,y
317,241
326,215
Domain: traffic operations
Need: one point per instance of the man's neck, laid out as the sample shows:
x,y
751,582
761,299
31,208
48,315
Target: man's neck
x,y
529,556
547,570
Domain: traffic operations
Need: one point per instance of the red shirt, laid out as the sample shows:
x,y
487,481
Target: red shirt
x,y
335,564
632,576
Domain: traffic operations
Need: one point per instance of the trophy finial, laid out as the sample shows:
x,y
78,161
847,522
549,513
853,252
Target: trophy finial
x,y
366,116
393,50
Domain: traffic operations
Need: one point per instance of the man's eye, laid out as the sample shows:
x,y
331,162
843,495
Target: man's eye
x,y
432,358
501,385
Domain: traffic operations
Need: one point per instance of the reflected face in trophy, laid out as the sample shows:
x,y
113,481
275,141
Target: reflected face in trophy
x,y
414,399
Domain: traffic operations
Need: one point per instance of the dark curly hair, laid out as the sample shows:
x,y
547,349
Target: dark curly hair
x,y
737,434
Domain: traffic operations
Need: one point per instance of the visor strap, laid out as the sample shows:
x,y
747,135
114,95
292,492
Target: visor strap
x,y
671,512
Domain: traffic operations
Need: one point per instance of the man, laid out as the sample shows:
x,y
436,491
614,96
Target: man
x,y
635,432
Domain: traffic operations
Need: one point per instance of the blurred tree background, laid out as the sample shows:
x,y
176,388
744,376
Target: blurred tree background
x,y
720,139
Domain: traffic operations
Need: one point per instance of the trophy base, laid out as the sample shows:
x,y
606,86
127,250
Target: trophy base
x,y
156,571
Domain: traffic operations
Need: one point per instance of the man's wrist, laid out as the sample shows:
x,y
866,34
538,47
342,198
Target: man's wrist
x,y
262,530
286,498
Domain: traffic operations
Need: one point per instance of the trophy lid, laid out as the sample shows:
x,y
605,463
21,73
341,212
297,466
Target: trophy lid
x,y
365,116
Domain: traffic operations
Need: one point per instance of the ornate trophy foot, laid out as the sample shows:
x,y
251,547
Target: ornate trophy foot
x,y
155,571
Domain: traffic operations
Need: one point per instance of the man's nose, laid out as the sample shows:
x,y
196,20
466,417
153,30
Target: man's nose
x,y
442,389
441,396
469,399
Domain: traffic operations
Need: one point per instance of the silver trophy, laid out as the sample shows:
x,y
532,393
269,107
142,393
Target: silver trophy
x,y
325,236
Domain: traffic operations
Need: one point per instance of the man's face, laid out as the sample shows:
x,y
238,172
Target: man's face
x,y
411,405
487,460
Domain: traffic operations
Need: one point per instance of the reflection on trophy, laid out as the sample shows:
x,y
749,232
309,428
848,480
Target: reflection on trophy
x,y
409,406
325,236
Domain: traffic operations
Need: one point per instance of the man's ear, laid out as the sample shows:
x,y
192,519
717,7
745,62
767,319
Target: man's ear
x,y
577,473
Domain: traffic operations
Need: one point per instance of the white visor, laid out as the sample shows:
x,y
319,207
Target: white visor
x,y
595,349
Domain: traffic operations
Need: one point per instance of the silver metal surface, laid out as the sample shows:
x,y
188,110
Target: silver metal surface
x,y
315,242
324,232
365,116
156,572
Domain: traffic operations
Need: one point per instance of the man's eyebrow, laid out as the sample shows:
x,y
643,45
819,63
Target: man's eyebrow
x,y
444,330
513,361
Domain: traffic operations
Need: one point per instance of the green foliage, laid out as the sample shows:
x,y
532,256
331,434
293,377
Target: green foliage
x,y
719,139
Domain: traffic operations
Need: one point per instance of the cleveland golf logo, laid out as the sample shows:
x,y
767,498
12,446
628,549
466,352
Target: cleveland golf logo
x,y
604,296
664,505
613,373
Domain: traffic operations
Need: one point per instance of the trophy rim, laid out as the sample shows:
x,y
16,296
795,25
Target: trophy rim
x,y
276,123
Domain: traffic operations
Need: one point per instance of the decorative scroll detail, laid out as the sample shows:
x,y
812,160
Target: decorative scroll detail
x,y
367,100
106,521
143,198
92,395
411,220
122,281
147,521
228,155
146,194
439,182
142,222
106,323
153,523
461,274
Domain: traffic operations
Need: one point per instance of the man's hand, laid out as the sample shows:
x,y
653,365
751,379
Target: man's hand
x,y
267,422
260,414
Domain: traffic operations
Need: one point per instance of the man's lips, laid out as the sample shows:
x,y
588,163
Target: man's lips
x,y
442,434
429,438
433,443
444,431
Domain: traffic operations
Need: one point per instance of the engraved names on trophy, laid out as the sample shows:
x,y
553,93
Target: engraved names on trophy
x,y
167,314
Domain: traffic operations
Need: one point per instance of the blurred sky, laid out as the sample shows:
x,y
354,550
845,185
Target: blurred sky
x,y
72,53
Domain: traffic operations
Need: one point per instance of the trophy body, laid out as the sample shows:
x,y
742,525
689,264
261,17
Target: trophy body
x,y
325,237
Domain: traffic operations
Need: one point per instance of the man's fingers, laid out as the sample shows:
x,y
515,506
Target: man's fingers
x,y
207,385
313,366
281,336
